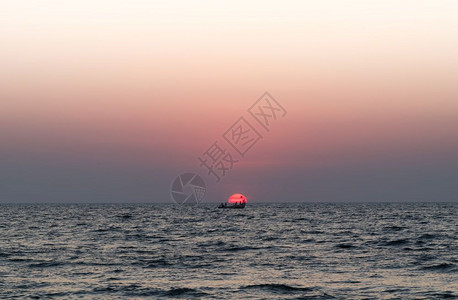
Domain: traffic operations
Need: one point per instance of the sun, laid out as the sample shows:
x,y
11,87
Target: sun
x,y
237,198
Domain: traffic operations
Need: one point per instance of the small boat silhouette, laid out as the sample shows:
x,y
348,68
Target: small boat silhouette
x,y
232,205
235,201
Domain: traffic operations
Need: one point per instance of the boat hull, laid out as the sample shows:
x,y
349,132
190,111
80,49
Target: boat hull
x,y
233,206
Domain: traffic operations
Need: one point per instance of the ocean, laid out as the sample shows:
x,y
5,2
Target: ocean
x,y
265,251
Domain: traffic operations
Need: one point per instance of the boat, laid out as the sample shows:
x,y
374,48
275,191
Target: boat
x,y
235,201
232,205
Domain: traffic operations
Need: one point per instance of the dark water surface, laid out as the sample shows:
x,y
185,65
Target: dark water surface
x,y
290,251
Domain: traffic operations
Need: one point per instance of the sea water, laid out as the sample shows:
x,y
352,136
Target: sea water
x,y
265,251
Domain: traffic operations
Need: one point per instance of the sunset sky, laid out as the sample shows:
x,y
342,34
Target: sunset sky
x,y
108,101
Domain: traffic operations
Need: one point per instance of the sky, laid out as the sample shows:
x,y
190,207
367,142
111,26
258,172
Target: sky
x,y
108,101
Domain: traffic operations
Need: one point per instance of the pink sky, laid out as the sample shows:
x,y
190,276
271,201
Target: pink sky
x,y
147,84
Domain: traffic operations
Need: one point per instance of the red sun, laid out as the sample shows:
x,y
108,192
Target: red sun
x,y
237,198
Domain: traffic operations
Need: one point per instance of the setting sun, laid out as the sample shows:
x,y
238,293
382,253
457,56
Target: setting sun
x,y
237,198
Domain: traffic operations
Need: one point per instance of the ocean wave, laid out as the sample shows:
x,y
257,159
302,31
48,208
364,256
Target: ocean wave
x,y
46,264
345,246
442,295
242,248
277,287
394,228
125,216
5,254
428,236
175,292
397,242
443,267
